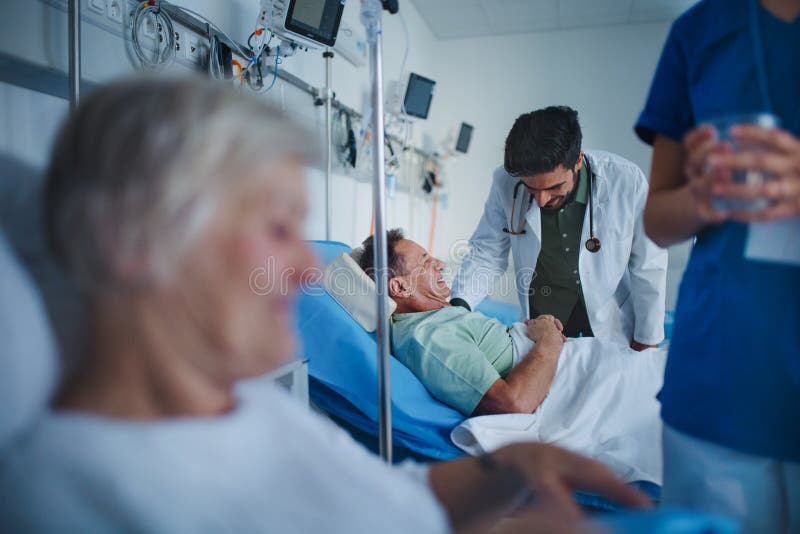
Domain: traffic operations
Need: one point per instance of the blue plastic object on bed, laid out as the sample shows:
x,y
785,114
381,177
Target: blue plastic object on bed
x,y
668,521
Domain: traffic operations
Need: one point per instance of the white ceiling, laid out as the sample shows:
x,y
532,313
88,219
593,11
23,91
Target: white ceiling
x,y
454,19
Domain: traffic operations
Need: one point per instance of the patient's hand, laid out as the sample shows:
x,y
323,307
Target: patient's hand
x,y
545,328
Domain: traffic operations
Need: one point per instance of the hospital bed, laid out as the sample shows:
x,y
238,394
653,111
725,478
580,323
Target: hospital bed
x,y
343,378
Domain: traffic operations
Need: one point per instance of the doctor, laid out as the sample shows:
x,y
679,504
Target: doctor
x,y
573,221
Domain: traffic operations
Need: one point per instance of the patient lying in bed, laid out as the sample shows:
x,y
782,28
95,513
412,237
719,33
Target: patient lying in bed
x,y
470,361
585,394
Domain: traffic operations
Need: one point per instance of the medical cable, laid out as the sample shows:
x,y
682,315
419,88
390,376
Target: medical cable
x,y
253,56
433,219
215,69
241,51
344,139
163,24
403,115
274,69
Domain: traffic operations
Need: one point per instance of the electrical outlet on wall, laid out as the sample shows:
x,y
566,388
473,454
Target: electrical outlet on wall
x,y
115,10
98,6
193,48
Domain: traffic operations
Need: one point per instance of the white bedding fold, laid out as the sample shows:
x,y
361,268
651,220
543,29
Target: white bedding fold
x,y
602,404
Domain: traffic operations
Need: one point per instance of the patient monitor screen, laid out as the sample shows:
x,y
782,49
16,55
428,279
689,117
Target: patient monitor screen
x,y
464,137
418,96
316,19
309,12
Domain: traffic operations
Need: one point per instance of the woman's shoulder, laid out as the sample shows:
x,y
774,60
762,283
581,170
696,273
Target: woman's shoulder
x,y
708,20
42,472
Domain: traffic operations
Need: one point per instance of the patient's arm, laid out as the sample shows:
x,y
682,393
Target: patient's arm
x,y
525,387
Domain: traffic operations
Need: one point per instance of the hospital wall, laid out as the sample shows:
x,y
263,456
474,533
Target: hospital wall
x,y
602,72
35,31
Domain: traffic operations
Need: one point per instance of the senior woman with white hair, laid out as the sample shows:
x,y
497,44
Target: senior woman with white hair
x,y
162,198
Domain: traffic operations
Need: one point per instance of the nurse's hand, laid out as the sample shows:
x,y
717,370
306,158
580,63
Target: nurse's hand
x,y
699,145
779,156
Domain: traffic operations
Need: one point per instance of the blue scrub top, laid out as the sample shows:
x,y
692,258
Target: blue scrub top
x,y
733,373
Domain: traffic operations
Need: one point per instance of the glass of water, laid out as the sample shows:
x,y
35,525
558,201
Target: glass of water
x,y
722,126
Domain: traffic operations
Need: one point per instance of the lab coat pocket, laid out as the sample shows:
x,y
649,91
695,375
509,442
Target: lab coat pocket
x,y
617,248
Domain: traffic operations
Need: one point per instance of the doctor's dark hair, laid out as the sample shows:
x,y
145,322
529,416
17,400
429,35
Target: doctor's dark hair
x,y
394,260
542,140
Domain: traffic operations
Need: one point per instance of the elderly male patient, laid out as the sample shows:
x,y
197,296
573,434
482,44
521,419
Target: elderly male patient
x,y
480,366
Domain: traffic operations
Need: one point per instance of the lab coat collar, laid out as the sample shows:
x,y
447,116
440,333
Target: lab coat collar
x,y
600,189
534,221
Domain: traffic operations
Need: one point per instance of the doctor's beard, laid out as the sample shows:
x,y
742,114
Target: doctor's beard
x,y
555,203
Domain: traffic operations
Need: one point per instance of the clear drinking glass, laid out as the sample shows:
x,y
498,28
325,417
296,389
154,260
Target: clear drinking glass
x,y
722,125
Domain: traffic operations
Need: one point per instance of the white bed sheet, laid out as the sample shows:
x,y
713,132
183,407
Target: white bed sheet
x,y
602,404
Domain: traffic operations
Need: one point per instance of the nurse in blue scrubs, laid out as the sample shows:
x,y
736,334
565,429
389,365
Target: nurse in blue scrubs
x,y
731,396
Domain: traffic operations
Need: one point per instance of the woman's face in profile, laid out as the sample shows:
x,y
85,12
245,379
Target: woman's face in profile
x,y
248,268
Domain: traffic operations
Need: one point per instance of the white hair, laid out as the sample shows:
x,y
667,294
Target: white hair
x,y
137,172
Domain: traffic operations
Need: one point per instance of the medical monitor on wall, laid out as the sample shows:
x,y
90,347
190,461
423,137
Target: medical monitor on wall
x,y
419,93
308,22
464,137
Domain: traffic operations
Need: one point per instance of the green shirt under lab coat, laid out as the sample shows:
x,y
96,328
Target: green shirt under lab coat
x,y
556,285
456,354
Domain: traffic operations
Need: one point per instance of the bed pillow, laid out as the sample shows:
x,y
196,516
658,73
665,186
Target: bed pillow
x,y
356,292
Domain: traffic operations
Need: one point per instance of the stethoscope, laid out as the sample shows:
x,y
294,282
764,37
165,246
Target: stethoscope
x,y
592,244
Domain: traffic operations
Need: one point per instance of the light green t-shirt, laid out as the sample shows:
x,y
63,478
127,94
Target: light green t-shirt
x,y
456,354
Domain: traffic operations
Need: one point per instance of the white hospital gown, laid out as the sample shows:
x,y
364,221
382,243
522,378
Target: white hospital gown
x,y
269,466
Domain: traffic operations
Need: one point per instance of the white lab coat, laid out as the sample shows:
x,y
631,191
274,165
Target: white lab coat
x,y
624,284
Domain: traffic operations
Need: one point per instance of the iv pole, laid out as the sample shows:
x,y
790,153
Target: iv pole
x,y
74,34
371,11
328,55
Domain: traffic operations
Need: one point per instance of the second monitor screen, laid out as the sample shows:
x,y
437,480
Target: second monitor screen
x,y
418,96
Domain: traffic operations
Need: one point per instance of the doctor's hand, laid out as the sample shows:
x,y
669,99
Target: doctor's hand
x,y
545,328
552,475
778,156
639,347
699,145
